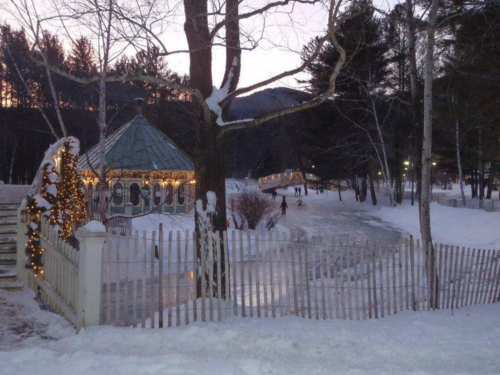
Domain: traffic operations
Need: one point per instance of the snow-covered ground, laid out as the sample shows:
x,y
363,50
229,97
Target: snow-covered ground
x,y
324,214
455,192
454,226
465,342
23,323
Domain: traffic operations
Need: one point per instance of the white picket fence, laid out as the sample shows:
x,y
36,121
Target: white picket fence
x,y
71,280
59,282
149,278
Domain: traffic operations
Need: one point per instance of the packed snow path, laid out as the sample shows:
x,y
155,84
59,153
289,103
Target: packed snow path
x,y
323,214
435,343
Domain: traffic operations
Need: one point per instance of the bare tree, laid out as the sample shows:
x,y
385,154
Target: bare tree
x,y
458,152
203,29
414,85
425,196
207,25
97,19
202,35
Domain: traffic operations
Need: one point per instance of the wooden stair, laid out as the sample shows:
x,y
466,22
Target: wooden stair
x,y
8,247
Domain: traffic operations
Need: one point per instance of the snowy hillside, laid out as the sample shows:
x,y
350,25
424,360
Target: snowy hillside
x,y
265,101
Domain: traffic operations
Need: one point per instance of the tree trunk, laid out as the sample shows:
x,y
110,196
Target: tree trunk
x,y
459,162
372,188
384,162
415,91
208,154
473,184
210,177
425,224
412,166
480,169
425,214
489,186
101,192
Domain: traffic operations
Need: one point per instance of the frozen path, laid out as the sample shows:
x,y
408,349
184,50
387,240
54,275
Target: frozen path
x,y
422,343
324,214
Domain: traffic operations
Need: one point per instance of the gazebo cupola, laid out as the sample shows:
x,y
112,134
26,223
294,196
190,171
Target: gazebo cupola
x,y
145,170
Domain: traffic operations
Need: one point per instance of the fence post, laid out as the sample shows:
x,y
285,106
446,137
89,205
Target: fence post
x,y
91,238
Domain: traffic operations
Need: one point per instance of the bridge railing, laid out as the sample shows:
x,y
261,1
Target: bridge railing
x,y
280,180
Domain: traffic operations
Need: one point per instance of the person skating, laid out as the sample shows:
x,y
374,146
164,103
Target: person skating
x,y
283,206
296,191
300,191
300,203
273,195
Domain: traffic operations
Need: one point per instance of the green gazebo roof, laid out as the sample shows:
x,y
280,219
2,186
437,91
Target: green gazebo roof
x,y
137,145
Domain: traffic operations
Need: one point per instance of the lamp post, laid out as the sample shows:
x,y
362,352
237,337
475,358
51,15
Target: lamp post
x,y
432,167
411,174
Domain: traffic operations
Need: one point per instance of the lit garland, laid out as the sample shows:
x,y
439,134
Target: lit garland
x,y
48,192
34,250
70,192
61,200
43,204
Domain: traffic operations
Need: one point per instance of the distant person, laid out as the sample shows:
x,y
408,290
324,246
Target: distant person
x,y
296,191
283,206
300,203
300,191
273,195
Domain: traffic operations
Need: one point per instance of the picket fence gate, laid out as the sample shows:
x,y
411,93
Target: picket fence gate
x,y
149,278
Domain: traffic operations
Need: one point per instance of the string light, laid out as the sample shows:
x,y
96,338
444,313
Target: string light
x,y
143,175
63,194
70,192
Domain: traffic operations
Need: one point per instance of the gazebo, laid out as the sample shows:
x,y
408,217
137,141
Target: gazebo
x,y
146,171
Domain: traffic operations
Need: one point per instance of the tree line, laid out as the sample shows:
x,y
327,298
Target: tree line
x,y
24,83
368,131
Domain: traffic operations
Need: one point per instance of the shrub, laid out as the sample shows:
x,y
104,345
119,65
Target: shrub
x,y
249,208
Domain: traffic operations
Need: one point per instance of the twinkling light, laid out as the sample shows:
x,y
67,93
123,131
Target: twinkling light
x,y
61,202
70,192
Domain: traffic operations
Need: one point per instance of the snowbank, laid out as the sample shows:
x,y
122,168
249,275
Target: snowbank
x,y
453,226
409,343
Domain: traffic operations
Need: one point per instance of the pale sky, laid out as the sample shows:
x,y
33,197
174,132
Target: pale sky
x,y
283,38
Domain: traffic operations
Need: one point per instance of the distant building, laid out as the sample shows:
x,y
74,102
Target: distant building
x,y
146,170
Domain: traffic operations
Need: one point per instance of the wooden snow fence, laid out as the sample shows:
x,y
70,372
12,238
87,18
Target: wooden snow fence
x,y
149,278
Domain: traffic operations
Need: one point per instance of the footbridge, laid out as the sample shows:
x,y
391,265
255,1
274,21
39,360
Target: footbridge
x,y
280,180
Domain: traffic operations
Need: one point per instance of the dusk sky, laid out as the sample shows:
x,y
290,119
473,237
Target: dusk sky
x,y
278,49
